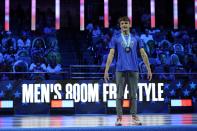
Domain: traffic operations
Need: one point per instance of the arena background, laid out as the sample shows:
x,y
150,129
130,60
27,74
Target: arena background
x,y
67,41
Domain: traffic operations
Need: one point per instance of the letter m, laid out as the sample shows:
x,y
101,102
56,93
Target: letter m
x,y
27,93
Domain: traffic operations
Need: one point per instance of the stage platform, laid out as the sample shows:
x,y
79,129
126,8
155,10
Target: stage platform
x,y
151,122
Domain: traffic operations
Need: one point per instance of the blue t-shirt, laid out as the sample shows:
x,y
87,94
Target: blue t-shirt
x,y
126,61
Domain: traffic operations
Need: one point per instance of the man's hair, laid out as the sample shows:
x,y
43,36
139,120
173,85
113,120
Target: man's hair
x,y
124,18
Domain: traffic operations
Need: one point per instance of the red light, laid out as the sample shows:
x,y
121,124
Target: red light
x,y
152,7
186,102
82,17
126,103
56,103
33,14
106,14
129,10
7,15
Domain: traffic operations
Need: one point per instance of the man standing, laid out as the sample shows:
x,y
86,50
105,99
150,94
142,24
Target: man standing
x,y
126,67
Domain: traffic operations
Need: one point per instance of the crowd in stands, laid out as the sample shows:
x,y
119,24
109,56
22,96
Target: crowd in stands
x,y
169,51
29,52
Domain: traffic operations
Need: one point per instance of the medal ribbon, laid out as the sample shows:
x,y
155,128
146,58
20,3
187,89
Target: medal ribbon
x,y
125,43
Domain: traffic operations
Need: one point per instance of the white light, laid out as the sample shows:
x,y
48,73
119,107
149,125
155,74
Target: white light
x,y
82,19
7,15
111,103
152,4
106,14
6,104
129,10
68,103
175,12
57,14
33,14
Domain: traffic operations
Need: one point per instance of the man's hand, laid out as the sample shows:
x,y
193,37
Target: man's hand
x,y
106,76
146,62
109,61
149,75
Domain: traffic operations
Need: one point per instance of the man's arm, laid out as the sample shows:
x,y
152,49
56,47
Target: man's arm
x,y
146,62
109,61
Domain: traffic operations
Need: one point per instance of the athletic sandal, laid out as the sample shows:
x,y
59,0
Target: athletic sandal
x,y
136,120
119,121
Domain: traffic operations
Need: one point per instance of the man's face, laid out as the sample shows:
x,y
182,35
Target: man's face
x,y
125,25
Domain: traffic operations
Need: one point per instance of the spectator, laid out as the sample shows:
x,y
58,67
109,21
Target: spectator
x,y
1,58
96,35
162,60
38,46
174,60
178,49
89,27
146,37
7,40
10,55
143,70
53,66
166,74
52,45
20,66
189,63
24,43
38,66
24,56
152,48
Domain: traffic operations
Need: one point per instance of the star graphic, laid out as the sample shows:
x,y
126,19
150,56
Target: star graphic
x,y
9,86
152,102
166,87
1,94
172,93
178,85
194,99
17,94
166,100
186,92
192,85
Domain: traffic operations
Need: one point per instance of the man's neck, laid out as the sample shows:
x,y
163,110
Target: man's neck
x,y
126,32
